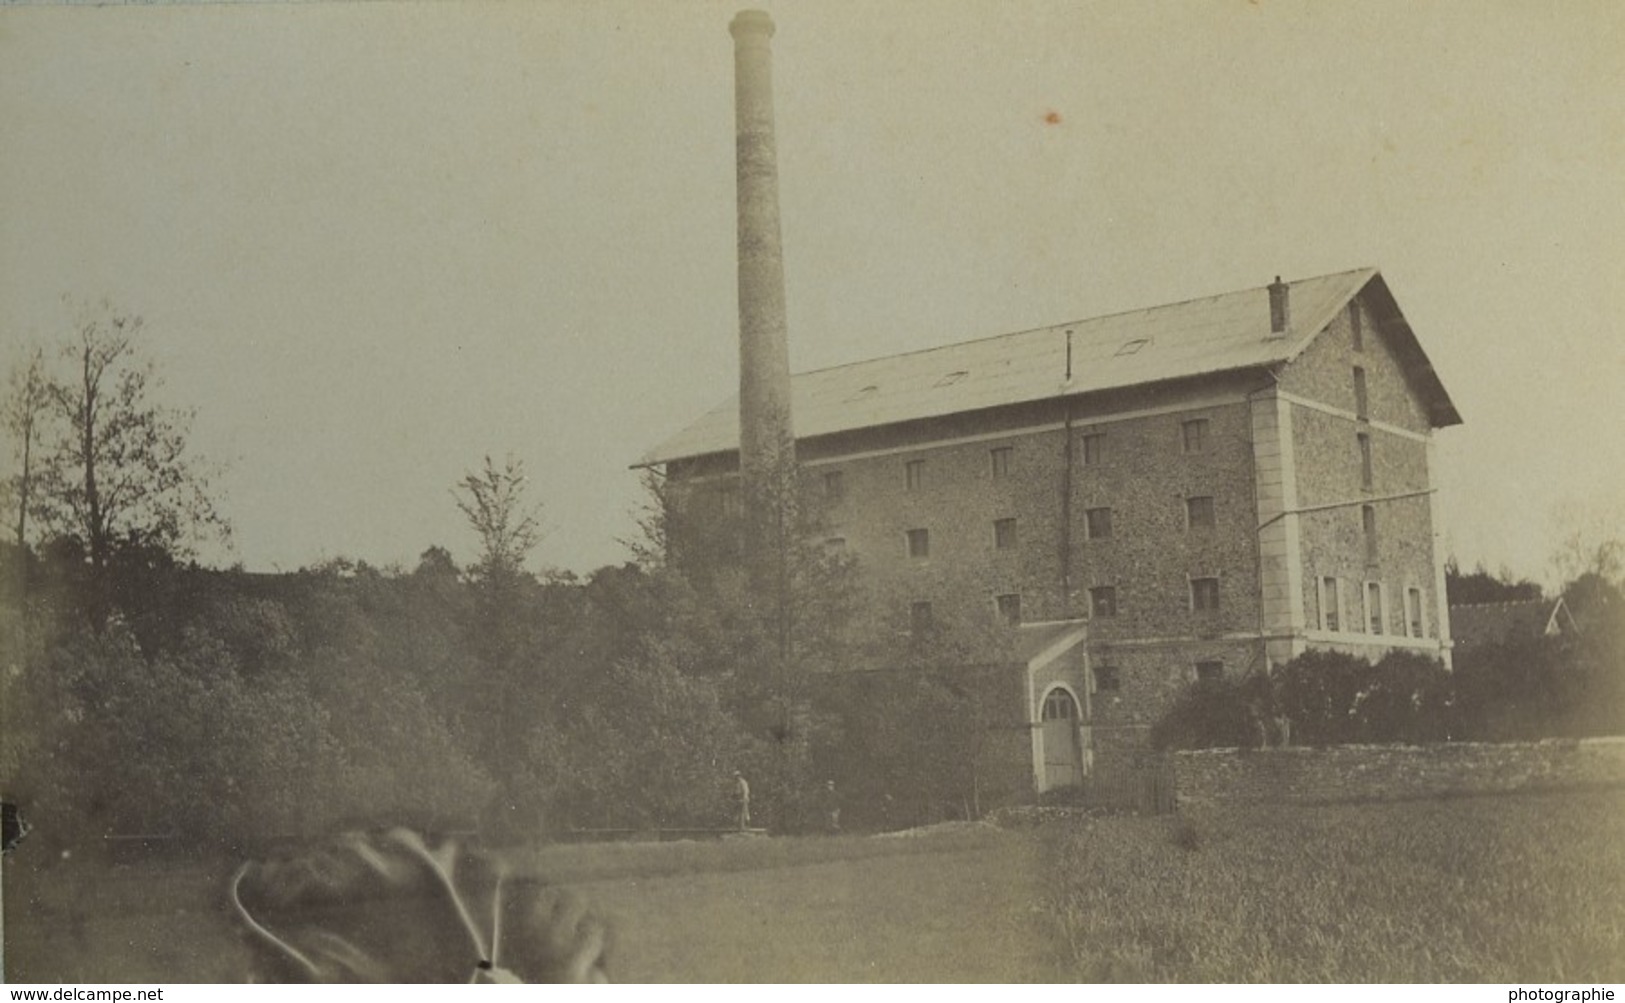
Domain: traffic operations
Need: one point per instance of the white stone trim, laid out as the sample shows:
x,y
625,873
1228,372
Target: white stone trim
x,y
1085,753
1441,601
1384,621
1351,417
1058,648
1275,492
1324,606
1150,642
1369,641
1421,631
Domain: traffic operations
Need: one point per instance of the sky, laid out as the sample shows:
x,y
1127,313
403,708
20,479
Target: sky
x,y
375,242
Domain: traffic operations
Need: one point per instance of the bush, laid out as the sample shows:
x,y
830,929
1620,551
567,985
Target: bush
x,y
1217,713
1318,698
1332,698
1543,687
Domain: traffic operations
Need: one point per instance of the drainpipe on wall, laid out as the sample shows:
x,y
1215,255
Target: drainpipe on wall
x,y
1066,494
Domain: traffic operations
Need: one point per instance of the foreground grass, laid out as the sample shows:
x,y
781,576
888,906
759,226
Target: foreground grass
x,y
1491,889
1501,889
578,862
951,904
950,910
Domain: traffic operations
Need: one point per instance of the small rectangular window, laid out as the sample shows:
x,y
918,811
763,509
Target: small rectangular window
x,y
1097,523
1094,448
1004,534
1103,600
1368,524
835,544
1199,512
1209,672
1373,606
730,501
1413,611
1357,326
1009,608
1330,605
1001,461
919,618
1194,434
1365,459
919,543
1361,402
1106,678
914,473
1204,594
834,486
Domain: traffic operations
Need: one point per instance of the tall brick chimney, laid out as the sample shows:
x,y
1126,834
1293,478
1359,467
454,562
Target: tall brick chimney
x,y
766,435
1280,308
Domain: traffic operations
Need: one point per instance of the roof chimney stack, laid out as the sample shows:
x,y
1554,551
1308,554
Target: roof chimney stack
x,y
1280,308
766,435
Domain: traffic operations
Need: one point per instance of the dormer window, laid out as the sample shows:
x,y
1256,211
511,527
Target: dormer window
x,y
863,393
953,377
1130,347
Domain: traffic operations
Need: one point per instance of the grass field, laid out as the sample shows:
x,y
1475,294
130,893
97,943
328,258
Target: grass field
x,y
1485,889
1516,888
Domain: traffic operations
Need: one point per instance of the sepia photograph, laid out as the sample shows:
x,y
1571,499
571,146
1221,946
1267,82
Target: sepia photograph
x,y
855,492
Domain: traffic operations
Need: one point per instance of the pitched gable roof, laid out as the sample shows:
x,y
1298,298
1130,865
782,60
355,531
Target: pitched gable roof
x,y
1197,337
1497,622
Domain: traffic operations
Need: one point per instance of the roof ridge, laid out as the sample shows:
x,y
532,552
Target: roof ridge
x,y
1081,320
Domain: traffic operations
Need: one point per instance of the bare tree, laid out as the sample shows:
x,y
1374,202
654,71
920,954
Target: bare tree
x,y
119,473
509,527
1591,540
25,412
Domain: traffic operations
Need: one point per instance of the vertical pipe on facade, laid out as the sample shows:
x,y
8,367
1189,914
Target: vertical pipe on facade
x,y
1066,495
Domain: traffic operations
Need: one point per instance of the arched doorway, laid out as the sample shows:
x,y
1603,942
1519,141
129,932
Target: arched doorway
x,y
1063,752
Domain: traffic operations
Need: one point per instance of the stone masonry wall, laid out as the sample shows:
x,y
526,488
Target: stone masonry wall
x,y
1329,472
1325,373
1394,773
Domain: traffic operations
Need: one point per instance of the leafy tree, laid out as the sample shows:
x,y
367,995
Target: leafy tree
x,y
904,724
116,473
436,564
509,527
1480,586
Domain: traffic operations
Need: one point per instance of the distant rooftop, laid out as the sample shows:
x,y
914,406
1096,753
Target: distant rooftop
x,y
1194,338
1499,622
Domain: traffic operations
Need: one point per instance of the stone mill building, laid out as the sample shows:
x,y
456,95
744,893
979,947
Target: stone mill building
x,y
1205,488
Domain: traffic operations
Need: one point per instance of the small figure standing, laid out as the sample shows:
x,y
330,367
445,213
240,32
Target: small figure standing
x,y
1283,730
832,808
742,793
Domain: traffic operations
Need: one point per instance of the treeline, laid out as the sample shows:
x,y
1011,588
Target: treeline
x,y
231,709
142,694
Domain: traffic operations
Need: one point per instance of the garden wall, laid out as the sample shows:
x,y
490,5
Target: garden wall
x,y
1396,772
